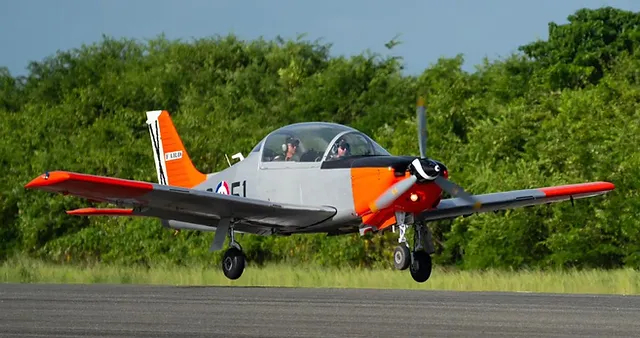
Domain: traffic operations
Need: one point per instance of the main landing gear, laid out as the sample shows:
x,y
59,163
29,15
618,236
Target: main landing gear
x,y
419,260
234,260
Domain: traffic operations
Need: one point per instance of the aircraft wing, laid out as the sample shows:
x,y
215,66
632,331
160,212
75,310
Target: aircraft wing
x,y
179,204
454,207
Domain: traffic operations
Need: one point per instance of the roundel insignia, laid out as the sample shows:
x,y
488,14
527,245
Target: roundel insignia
x,y
223,188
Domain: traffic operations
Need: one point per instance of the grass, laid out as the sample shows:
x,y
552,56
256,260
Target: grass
x,y
622,281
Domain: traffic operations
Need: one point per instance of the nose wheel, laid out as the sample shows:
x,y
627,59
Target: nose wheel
x,y
401,257
421,266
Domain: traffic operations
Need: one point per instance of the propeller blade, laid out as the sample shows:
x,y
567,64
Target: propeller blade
x,y
422,127
456,191
391,194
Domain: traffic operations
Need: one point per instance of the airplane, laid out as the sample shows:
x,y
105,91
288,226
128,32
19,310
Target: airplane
x,y
302,178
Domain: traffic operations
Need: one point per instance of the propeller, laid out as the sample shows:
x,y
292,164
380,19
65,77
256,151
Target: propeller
x,y
422,128
422,169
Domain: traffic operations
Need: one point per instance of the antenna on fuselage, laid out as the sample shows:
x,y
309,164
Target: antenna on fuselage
x,y
238,155
227,157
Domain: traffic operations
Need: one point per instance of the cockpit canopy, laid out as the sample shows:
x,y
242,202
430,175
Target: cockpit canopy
x,y
315,142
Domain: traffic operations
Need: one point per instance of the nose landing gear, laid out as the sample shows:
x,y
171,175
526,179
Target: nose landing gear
x,y
419,260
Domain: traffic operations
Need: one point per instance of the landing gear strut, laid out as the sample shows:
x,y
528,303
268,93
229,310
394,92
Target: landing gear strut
x,y
234,259
419,260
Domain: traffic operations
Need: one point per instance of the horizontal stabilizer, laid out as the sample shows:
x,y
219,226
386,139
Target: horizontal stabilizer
x,y
101,212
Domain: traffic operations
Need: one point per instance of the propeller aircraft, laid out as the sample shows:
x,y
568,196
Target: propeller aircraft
x,y
311,177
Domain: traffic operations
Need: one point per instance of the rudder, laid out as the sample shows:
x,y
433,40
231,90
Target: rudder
x,y
173,164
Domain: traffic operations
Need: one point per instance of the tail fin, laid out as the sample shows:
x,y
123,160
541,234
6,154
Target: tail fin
x,y
173,165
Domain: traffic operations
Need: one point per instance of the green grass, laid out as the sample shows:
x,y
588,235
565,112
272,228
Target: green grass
x,y
623,281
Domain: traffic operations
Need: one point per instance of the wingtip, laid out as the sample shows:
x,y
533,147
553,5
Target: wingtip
x,y
602,186
580,188
46,179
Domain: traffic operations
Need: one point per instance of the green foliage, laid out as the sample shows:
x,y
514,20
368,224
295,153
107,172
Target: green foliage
x,y
564,112
579,52
596,281
10,100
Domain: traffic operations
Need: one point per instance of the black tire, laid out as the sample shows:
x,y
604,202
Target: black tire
x,y
401,257
421,266
233,263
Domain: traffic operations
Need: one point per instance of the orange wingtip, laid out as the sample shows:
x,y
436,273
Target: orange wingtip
x,y
577,189
100,212
48,179
95,188
55,177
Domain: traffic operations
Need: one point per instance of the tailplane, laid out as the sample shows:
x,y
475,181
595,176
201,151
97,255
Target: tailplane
x,y
173,165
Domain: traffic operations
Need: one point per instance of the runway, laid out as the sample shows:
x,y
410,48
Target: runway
x,y
150,311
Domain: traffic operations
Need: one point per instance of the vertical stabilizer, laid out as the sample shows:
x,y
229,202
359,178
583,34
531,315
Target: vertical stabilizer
x,y
173,165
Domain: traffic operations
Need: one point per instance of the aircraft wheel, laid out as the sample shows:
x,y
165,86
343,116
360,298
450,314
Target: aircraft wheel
x,y
233,263
421,266
401,257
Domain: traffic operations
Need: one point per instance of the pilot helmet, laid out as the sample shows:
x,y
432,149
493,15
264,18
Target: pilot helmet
x,y
290,140
344,144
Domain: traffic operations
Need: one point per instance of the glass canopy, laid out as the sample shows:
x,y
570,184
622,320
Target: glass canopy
x,y
316,141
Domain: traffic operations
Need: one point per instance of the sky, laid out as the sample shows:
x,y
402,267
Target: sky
x,y
428,29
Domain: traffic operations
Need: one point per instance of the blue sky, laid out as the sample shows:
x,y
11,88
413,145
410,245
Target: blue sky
x,y
34,29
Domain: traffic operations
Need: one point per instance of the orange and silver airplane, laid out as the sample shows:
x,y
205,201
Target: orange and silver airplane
x,y
312,177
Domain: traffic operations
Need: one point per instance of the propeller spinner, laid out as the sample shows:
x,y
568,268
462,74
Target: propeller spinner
x,y
422,169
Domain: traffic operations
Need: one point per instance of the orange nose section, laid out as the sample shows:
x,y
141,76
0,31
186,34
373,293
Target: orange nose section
x,y
369,183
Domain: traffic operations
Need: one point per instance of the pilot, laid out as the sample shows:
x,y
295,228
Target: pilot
x,y
290,147
341,150
344,149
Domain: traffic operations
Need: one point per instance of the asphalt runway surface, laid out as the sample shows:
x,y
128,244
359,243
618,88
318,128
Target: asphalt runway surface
x,y
28,310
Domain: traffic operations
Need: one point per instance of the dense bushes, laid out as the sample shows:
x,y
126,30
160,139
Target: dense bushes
x,y
564,111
